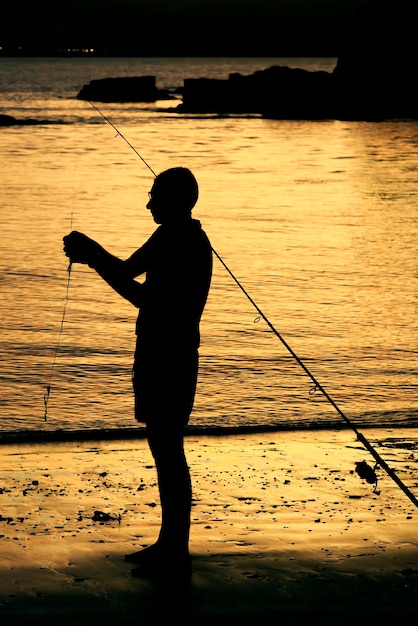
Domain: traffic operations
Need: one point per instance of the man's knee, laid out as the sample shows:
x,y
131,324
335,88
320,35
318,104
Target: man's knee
x,y
165,441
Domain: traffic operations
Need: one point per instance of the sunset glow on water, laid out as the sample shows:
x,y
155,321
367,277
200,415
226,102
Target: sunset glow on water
x,y
317,220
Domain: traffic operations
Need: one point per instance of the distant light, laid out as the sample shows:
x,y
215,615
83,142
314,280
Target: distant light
x,y
80,50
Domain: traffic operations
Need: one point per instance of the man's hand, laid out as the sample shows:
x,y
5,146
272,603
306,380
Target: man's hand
x,y
79,248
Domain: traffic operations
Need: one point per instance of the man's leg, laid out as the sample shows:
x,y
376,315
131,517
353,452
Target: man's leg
x,y
172,547
167,447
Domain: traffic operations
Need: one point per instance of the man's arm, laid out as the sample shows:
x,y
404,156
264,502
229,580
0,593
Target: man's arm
x,y
81,249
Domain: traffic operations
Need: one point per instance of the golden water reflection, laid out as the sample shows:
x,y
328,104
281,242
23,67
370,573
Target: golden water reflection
x,y
317,220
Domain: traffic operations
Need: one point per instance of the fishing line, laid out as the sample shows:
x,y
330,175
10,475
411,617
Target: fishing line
x,y
57,347
67,296
317,386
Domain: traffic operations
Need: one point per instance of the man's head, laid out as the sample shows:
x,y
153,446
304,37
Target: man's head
x,y
173,195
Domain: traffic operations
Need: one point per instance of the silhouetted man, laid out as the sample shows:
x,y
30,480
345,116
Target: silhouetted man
x,y
177,261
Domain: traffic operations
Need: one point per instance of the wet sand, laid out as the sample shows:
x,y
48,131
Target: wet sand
x,y
283,530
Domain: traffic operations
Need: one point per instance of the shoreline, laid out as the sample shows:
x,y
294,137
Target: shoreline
x,y
282,528
35,436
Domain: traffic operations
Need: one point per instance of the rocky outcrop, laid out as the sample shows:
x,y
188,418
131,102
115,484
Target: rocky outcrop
x,y
124,89
290,93
9,120
356,90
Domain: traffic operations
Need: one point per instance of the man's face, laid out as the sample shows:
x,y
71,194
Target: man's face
x,y
158,204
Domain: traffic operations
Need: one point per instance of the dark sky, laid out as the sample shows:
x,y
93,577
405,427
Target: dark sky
x,y
179,27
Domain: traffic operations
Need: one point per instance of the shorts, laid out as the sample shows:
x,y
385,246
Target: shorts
x,y
164,384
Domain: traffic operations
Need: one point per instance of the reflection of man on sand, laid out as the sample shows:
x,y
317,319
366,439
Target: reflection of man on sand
x,y
177,260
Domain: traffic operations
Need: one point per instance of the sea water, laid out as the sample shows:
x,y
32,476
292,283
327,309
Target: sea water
x,y
317,220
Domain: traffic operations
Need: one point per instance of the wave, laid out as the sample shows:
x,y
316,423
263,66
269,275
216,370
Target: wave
x,y
115,434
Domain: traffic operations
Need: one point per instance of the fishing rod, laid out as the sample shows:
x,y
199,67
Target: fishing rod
x,y
317,386
121,136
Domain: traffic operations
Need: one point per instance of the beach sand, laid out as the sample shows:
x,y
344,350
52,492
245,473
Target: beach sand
x,y
283,530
